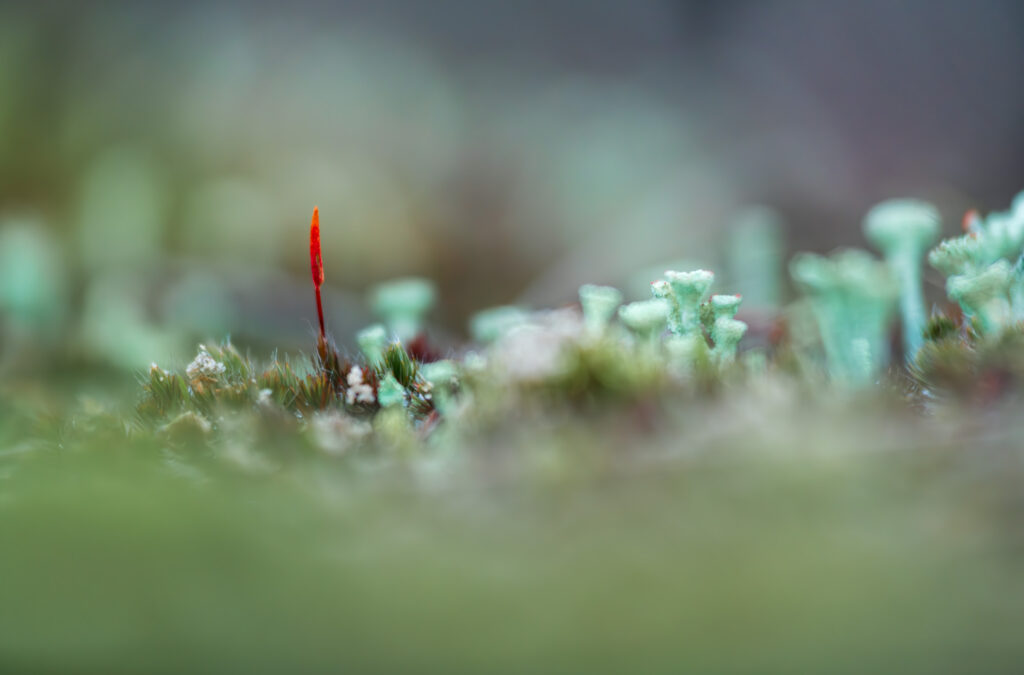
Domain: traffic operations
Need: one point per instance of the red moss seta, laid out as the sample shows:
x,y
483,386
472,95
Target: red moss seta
x,y
971,222
317,266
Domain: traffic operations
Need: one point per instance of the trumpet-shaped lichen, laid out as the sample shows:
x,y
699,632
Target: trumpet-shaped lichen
x,y
852,297
403,304
372,341
726,330
680,337
903,229
984,294
684,294
599,304
488,325
756,256
689,290
647,319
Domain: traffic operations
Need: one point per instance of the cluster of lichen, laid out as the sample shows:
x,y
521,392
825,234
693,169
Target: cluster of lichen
x,y
984,268
978,354
852,295
604,348
680,336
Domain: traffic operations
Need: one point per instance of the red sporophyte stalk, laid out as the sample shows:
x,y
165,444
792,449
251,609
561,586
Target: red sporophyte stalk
x,y
317,265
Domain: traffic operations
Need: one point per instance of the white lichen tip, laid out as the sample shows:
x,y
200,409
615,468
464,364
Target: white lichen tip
x,y
645,316
730,330
954,256
403,303
693,284
902,224
727,333
488,325
726,305
536,349
847,271
599,304
410,296
606,295
692,277
371,342
859,271
439,372
204,366
661,290
813,272
976,288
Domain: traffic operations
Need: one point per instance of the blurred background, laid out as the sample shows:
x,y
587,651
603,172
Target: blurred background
x,y
159,162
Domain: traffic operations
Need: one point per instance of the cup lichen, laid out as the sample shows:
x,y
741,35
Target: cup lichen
x,y
403,304
904,229
852,297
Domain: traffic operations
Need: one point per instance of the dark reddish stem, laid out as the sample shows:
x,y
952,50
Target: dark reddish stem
x,y
317,266
320,314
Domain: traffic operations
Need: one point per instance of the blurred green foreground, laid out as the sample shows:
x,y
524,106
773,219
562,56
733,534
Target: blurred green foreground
x,y
795,535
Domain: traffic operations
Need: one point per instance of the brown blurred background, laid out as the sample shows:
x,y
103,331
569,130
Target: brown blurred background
x,y
159,162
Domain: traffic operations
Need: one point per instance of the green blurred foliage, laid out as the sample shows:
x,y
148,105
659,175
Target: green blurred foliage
x,y
723,540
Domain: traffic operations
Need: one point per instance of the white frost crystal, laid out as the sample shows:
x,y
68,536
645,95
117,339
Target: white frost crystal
x,y
334,432
204,366
536,349
358,390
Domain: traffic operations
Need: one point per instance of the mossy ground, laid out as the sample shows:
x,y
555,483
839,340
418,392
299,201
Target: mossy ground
x,y
769,525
